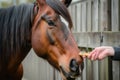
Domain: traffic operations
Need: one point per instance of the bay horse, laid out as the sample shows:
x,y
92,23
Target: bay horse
x,y
38,26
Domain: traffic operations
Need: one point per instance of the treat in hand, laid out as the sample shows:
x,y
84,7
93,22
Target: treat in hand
x,y
84,54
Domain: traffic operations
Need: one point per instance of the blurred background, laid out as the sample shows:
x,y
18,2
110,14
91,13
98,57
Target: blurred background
x,y
5,3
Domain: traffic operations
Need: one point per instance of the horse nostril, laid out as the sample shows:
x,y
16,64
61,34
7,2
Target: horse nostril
x,y
74,67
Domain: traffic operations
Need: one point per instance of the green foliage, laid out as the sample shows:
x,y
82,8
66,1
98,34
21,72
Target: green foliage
x,y
12,2
86,49
5,4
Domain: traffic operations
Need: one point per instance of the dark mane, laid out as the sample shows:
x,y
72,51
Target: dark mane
x,y
61,9
15,29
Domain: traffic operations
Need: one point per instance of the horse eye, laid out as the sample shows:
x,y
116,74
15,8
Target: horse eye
x,y
51,23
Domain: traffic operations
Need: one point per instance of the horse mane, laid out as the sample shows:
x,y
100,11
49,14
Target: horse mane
x,y
61,9
15,29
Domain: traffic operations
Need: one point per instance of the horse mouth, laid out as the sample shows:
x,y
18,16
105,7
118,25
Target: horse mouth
x,y
72,75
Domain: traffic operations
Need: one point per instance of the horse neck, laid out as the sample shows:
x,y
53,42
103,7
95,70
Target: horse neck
x,y
15,31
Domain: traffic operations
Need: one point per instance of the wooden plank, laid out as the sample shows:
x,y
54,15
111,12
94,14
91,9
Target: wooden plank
x,y
115,15
57,75
89,18
103,69
75,14
96,70
104,15
92,39
84,28
109,15
30,65
95,16
116,70
119,15
42,70
80,1
36,68
103,65
84,74
89,70
49,72
73,17
79,17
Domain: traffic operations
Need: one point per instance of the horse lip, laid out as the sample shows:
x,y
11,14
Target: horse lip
x,y
69,76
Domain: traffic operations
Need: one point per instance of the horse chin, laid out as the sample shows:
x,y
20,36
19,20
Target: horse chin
x,y
69,75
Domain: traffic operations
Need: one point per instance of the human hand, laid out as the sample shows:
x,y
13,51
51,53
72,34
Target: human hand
x,y
100,53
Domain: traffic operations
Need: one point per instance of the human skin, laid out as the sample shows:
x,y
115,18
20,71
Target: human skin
x,y
101,52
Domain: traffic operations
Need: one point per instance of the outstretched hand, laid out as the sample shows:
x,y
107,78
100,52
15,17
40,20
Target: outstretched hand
x,y
100,53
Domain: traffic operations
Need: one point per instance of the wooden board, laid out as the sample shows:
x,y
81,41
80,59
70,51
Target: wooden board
x,y
92,39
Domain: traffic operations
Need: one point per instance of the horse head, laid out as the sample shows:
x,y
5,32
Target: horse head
x,y
52,39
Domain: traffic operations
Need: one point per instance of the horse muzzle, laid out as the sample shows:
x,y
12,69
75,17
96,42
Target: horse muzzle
x,y
75,70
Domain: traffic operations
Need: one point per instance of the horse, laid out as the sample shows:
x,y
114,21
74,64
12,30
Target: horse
x,y
38,26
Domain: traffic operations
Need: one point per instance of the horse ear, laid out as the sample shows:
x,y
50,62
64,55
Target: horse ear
x,y
67,2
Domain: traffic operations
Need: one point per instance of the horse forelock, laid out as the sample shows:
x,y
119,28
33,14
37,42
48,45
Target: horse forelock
x,y
15,27
61,9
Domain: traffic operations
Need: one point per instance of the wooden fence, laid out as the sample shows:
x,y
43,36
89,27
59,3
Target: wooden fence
x,y
97,23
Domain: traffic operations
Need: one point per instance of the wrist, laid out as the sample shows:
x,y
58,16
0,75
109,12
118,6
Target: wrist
x,y
112,51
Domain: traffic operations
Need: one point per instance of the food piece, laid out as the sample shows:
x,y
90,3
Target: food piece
x,y
83,54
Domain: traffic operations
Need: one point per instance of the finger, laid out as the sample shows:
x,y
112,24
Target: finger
x,y
92,54
99,51
97,54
